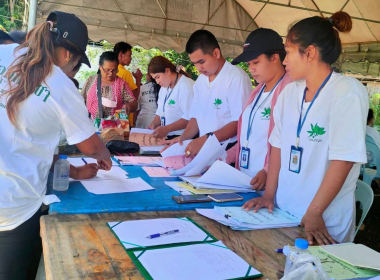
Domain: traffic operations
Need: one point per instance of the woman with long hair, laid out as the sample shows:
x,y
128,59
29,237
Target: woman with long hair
x,y
318,141
39,105
175,98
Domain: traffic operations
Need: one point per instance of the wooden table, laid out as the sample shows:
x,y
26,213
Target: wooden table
x,y
83,247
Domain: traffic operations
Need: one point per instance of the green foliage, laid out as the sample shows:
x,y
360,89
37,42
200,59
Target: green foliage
x,y
5,14
316,130
374,104
83,75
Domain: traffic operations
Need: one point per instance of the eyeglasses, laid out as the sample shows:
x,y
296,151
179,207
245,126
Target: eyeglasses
x,y
112,71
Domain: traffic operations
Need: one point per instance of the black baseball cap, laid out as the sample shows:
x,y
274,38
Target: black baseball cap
x,y
72,29
258,42
4,36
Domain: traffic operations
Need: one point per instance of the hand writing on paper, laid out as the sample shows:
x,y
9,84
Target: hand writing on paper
x,y
259,202
160,132
87,171
105,164
315,228
195,146
258,182
172,142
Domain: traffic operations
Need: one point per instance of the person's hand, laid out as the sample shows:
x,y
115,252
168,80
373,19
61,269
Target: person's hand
x,y
258,182
127,108
152,126
171,142
105,164
259,202
195,146
160,132
138,75
315,227
87,171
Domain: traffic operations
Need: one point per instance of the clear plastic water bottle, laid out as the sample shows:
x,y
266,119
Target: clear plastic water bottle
x,y
61,174
301,246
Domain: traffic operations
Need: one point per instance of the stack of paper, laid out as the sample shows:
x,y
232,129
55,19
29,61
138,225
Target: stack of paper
x,y
186,188
209,153
174,156
141,161
239,219
221,176
148,144
338,269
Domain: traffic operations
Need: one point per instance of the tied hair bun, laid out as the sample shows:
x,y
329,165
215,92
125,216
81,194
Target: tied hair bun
x,y
341,21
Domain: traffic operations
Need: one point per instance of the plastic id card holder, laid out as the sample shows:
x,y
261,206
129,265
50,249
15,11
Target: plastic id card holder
x,y
162,121
244,157
295,159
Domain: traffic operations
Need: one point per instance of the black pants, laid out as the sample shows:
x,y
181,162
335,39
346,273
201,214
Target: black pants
x,y
20,250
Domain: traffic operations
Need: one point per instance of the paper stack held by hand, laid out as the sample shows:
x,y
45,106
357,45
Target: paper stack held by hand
x,y
144,137
239,219
221,176
140,161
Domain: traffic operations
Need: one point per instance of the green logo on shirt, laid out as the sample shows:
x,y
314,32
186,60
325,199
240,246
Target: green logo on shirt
x,y
316,131
217,103
171,103
265,114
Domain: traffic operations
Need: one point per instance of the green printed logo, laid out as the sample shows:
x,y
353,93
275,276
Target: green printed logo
x,y
316,131
217,103
265,114
171,103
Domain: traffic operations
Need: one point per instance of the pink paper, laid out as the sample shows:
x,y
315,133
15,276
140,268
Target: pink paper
x,y
157,171
177,162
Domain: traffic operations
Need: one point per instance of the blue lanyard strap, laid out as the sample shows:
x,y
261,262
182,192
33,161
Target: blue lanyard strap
x,y
300,124
170,93
250,120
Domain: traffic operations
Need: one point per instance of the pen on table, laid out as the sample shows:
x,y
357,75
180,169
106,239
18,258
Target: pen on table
x,y
279,250
85,162
161,234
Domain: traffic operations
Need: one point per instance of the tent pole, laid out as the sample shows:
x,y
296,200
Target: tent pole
x,y
32,14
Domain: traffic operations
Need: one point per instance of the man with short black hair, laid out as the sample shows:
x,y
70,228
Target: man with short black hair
x,y
220,93
5,39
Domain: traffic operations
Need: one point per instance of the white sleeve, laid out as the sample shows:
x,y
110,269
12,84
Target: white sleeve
x,y
348,128
275,137
186,97
240,89
76,124
160,102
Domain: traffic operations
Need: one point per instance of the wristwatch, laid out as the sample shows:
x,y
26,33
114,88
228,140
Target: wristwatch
x,y
209,134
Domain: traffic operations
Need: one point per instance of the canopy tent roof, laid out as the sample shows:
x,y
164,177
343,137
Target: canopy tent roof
x,y
166,24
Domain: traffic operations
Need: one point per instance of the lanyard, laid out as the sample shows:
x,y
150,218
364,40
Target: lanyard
x,y
250,120
300,124
170,93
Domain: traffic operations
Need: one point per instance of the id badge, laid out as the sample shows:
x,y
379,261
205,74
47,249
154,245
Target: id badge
x,y
295,159
162,121
244,157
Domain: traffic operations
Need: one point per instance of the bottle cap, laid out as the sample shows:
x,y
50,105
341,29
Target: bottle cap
x,y
302,243
62,156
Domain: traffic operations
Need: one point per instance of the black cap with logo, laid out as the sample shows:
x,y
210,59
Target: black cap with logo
x,y
72,29
258,42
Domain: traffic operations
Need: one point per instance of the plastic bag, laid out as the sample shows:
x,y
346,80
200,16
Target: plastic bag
x,y
306,267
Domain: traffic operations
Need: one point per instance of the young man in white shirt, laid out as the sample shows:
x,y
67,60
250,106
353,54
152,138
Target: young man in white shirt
x,y
370,131
220,93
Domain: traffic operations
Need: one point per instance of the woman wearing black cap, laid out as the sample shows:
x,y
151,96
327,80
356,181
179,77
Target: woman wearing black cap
x,y
39,105
318,141
264,53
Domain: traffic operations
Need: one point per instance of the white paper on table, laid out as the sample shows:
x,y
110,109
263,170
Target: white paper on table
x,y
176,149
193,180
216,216
128,160
211,261
115,173
141,130
77,161
116,186
263,217
134,234
177,188
357,255
211,151
221,173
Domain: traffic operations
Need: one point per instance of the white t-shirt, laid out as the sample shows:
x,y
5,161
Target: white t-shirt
x,y
178,104
54,109
374,134
258,138
220,102
334,130
148,106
